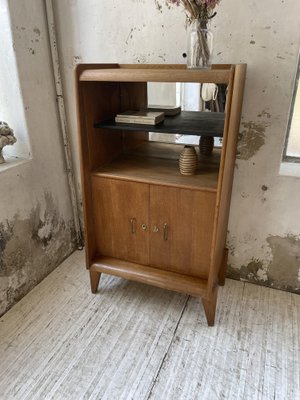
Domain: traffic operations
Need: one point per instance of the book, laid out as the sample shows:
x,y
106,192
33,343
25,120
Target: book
x,y
136,121
169,111
140,117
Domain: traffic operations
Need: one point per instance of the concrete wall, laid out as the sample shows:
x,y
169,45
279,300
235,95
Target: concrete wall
x,y
36,224
264,231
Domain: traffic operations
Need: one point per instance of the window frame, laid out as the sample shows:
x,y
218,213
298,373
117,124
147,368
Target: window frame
x,y
285,157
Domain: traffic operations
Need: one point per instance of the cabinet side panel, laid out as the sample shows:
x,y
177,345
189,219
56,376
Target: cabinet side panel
x,y
133,97
227,170
94,101
181,229
120,212
202,224
85,183
101,102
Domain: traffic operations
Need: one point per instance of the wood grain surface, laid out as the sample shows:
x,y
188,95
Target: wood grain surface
x,y
155,75
161,171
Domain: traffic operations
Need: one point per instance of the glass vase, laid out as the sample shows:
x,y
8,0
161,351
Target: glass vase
x,y
199,45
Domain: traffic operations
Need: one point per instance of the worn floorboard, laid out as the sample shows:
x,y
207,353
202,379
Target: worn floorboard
x,y
133,341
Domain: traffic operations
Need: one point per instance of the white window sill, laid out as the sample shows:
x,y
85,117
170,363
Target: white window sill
x,y
290,169
11,162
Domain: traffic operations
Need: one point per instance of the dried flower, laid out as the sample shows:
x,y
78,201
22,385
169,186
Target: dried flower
x,y
197,9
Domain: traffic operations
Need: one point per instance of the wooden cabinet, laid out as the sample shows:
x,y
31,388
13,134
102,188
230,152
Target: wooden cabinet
x,y
143,220
183,218
121,231
165,227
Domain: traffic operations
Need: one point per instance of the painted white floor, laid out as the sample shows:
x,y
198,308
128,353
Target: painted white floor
x,y
132,341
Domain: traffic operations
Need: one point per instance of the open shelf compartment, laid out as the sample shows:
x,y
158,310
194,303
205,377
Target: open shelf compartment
x,y
157,163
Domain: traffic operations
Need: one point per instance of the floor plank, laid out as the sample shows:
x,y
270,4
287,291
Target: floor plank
x,y
251,353
92,344
133,341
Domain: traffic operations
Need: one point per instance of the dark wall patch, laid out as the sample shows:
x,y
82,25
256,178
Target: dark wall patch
x,y
158,5
37,31
264,114
283,272
6,232
249,272
31,248
251,139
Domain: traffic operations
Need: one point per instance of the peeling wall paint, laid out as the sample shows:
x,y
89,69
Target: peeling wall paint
x,y
281,272
251,139
284,270
36,222
31,248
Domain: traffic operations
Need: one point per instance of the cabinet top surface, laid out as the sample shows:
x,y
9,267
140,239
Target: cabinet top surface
x,y
153,73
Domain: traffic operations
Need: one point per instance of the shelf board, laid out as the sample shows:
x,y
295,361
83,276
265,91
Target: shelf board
x,y
186,123
121,74
152,276
157,163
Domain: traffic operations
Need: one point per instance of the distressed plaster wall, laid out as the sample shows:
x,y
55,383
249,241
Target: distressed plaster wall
x,y
264,231
36,224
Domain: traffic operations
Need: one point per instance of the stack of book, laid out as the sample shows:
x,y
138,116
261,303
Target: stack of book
x,y
140,117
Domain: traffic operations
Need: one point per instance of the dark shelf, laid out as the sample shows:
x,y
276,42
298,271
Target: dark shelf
x,y
186,123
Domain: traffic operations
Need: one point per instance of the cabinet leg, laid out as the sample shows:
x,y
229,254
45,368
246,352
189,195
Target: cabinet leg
x,y
210,307
94,279
223,268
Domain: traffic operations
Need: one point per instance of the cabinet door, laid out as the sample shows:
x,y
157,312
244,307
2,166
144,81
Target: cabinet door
x,y
181,223
121,219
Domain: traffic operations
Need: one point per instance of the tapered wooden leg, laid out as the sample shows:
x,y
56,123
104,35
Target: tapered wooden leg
x,y
210,307
94,279
223,268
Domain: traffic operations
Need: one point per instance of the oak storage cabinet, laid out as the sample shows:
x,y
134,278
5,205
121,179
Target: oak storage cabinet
x,y
143,220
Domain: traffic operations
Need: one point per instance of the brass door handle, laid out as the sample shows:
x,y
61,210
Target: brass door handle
x,y
166,231
155,229
133,225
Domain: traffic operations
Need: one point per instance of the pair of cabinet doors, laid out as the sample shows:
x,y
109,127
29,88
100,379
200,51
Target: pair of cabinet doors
x,y
165,227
